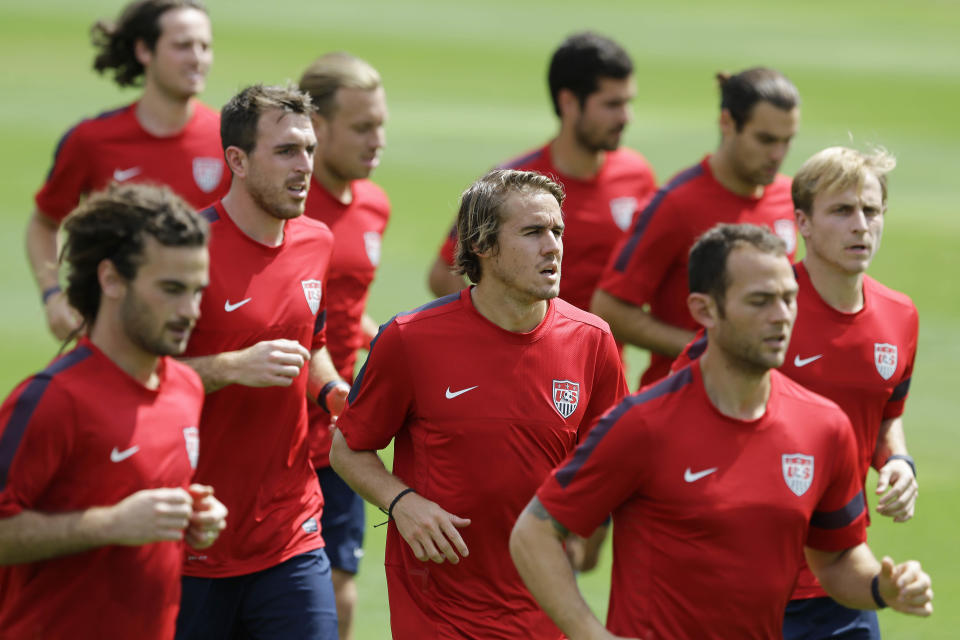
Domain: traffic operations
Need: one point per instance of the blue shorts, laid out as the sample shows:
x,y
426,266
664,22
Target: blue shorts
x,y
290,601
342,521
815,618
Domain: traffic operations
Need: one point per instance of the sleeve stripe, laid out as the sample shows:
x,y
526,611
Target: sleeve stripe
x,y
840,518
320,322
637,232
25,406
674,383
900,391
210,214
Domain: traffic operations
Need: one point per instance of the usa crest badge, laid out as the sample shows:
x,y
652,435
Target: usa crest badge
x,y
885,357
787,231
207,173
622,210
566,397
191,437
371,242
797,472
311,290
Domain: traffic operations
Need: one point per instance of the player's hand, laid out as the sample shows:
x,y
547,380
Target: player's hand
x,y
897,480
430,531
337,400
150,515
905,587
62,319
207,519
270,363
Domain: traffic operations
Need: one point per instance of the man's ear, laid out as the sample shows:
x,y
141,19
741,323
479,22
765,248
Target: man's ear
x,y
142,52
703,309
236,161
728,126
568,103
803,223
112,284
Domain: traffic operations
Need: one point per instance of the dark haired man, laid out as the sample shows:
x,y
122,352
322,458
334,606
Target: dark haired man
x,y
165,137
259,350
720,478
473,442
591,87
738,183
95,495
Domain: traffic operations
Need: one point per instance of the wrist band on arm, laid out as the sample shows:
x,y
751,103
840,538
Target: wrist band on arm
x,y
389,511
49,292
906,458
325,391
875,592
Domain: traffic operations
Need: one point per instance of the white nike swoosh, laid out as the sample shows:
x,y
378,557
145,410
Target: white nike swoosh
x,y
454,394
689,476
125,174
233,307
802,362
119,456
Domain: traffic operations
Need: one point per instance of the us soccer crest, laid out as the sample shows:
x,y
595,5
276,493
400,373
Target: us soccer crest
x,y
787,232
797,472
622,210
885,357
207,173
566,397
371,242
191,437
311,290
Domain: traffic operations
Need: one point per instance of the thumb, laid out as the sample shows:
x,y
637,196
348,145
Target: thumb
x,y
886,568
459,522
883,480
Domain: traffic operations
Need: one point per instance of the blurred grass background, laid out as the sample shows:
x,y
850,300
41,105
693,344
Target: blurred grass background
x,y
466,89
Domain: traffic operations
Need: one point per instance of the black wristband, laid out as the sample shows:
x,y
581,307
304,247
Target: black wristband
x,y
49,292
397,499
906,458
875,592
325,391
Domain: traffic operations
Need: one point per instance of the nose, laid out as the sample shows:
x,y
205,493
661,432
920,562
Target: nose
x,y
190,309
552,244
379,138
627,113
858,220
779,151
783,312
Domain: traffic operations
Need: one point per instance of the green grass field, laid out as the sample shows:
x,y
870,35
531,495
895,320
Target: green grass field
x,y
466,88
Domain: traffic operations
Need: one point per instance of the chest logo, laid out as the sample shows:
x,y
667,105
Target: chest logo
x,y
119,456
566,397
797,472
371,242
802,362
122,175
787,231
191,438
885,357
453,394
311,291
622,210
207,173
233,306
691,476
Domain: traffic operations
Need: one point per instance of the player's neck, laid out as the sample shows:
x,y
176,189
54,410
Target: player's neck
x,y
162,114
572,159
108,336
505,310
337,187
841,290
250,218
735,391
723,173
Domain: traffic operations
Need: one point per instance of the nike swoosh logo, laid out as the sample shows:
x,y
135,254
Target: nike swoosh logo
x,y
119,456
689,476
454,394
233,307
802,362
125,174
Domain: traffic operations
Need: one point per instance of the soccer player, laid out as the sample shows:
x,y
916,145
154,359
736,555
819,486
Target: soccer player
x,y
591,86
720,479
483,392
97,451
167,136
259,350
643,290
350,112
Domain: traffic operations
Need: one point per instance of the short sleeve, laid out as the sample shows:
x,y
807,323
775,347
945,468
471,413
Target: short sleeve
x,y
68,178
839,520
609,384
449,247
898,399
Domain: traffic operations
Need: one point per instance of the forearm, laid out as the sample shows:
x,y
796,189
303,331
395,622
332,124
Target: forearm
x,y
41,242
364,472
442,280
31,536
632,325
322,371
846,575
891,440
216,371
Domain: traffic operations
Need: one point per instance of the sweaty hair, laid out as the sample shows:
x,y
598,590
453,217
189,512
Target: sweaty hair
x,y
113,225
741,92
579,63
338,70
708,256
836,169
115,42
240,117
481,213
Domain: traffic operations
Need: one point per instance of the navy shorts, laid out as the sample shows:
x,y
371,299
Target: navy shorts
x,y
816,618
290,601
342,521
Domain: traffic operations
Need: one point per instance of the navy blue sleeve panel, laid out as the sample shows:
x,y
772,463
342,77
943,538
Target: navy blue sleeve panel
x,y
643,220
320,322
65,136
900,391
210,213
566,473
24,407
841,517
